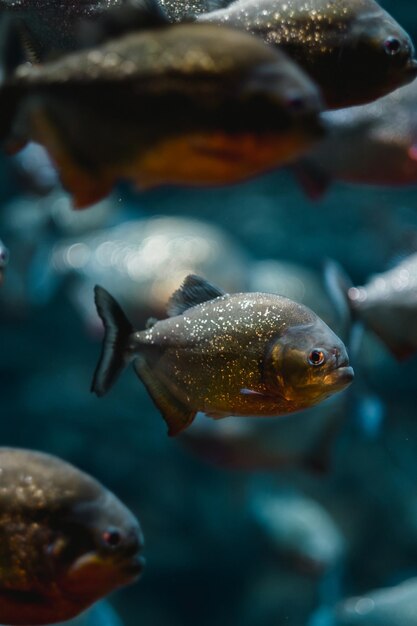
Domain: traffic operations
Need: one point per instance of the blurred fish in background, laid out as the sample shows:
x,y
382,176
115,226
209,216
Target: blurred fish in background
x,y
142,262
66,540
374,144
204,112
294,517
387,304
299,529
353,49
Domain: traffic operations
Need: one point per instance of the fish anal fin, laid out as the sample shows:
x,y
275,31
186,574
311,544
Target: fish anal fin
x,y
177,415
194,290
86,188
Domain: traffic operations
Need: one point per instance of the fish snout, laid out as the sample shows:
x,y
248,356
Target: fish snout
x,y
411,69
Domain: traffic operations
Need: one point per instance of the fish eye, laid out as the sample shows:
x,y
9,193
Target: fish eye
x,y
392,46
316,357
296,104
112,537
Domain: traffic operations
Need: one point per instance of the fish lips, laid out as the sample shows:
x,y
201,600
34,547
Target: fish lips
x,y
340,377
411,69
129,569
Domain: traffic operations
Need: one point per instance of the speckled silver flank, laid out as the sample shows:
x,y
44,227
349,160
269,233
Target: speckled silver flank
x,y
228,356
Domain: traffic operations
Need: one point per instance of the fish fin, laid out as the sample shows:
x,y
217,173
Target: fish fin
x,y
85,188
132,16
313,181
176,414
151,322
30,47
250,392
215,415
337,284
194,290
12,48
117,331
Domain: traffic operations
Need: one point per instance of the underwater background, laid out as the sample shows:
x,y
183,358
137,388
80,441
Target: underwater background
x,y
213,556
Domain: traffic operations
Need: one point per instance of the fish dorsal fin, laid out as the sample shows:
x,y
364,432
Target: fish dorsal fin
x,y
14,45
194,290
132,16
30,46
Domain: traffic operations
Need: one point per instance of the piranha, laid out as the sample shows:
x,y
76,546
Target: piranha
x,y
66,541
252,354
4,261
386,305
353,49
193,104
373,144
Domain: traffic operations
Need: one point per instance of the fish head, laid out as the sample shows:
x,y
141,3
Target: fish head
x,y
96,548
378,54
308,363
281,94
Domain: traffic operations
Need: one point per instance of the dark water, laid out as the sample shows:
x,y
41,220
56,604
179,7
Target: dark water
x,y
209,561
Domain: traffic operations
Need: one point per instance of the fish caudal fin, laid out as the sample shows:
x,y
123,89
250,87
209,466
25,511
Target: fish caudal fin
x,y
176,414
117,331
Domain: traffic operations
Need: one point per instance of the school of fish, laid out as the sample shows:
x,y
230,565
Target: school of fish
x,y
167,94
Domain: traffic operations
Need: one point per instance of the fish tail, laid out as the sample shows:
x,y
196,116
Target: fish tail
x,y
117,332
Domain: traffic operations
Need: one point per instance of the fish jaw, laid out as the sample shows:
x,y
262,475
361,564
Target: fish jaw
x,y
340,378
93,575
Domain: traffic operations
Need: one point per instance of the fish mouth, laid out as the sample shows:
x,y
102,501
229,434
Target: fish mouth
x,y
411,69
341,377
134,567
130,568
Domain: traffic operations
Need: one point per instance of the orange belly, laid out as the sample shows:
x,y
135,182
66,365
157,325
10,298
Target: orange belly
x,y
212,158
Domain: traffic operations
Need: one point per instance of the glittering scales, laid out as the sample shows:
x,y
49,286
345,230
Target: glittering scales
x,y
242,354
345,45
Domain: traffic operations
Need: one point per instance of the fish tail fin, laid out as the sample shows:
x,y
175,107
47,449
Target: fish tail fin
x,y
117,332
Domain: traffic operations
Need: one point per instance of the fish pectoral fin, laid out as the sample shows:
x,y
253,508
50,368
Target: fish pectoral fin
x,y
250,392
176,414
85,187
151,321
194,290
